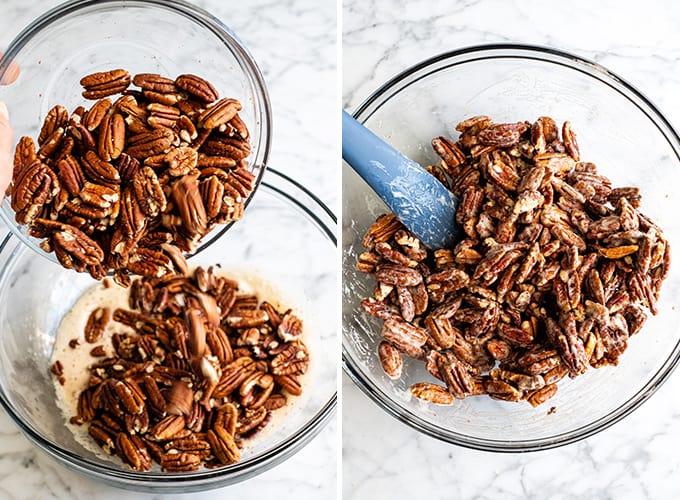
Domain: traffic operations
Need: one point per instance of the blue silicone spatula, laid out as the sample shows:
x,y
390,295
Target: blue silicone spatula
x,y
422,203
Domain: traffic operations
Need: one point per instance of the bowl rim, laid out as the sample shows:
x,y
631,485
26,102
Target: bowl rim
x,y
198,15
545,55
290,191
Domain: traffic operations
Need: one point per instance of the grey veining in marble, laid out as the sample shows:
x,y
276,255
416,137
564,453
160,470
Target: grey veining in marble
x,y
294,43
637,458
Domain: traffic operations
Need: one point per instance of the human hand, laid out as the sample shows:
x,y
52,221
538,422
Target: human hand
x,y
5,150
6,133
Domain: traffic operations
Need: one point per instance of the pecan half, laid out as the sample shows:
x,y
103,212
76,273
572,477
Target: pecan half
x,y
56,118
197,87
35,186
223,111
149,192
106,83
433,393
187,197
154,82
147,144
223,445
133,452
111,137
98,170
181,161
94,117
96,324
390,359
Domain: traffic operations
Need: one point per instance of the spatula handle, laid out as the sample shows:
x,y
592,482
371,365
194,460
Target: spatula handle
x,y
415,196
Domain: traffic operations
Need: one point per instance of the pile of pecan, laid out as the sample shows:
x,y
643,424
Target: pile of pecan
x,y
555,271
204,371
127,184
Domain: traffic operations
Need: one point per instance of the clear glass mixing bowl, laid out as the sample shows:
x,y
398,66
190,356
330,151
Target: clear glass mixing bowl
x,y
167,37
287,237
619,130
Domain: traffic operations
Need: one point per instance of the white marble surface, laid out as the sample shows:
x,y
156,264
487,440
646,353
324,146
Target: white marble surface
x,y
294,44
637,458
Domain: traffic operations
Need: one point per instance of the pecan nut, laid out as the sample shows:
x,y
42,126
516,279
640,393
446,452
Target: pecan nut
x,y
111,137
433,393
223,445
106,83
149,192
220,113
197,87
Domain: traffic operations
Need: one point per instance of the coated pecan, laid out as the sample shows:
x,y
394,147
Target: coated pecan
x,y
130,396
390,359
250,420
103,437
448,151
191,444
503,135
555,272
404,336
96,323
290,383
541,395
433,393
292,360
455,373
258,386
399,275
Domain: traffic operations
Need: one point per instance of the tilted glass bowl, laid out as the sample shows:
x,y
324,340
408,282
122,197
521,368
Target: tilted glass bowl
x,y
619,130
287,237
166,37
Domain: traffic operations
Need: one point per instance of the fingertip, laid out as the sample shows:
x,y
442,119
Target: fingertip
x,y
11,74
4,112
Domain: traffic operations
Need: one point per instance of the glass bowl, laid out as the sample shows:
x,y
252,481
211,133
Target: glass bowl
x,y
143,36
619,130
287,237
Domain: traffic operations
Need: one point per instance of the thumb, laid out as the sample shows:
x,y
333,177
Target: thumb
x,y
5,149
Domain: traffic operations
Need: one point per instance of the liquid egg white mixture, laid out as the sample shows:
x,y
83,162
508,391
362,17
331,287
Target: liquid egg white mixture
x,y
76,361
